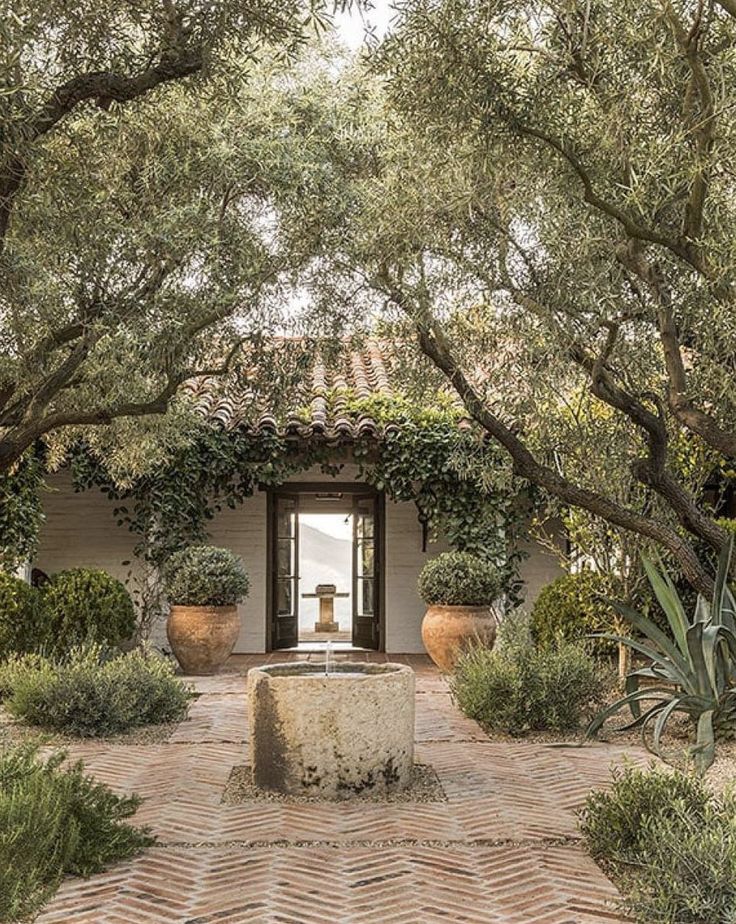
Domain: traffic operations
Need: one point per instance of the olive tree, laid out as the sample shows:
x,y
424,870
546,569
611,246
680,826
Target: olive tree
x,y
138,201
556,212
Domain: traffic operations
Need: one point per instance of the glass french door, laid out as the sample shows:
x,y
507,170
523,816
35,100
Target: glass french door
x,y
284,566
285,571
366,597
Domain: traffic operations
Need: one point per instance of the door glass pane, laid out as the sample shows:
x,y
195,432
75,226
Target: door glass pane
x,y
365,526
284,565
366,559
286,518
284,598
365,556
366,596
285,557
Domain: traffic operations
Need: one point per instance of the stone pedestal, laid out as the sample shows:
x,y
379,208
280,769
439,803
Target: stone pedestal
x,y
326,621
326,594
332,735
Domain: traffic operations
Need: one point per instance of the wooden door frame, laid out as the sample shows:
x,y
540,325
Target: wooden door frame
x,y
318,487
271,553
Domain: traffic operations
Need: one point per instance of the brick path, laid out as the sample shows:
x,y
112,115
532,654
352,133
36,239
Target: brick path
x,y
502,848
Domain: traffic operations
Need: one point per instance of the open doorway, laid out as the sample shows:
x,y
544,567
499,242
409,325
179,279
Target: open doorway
x,y
324,564
325,578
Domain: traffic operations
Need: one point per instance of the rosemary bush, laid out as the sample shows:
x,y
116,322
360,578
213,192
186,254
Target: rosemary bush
x,y
89,693
669,843
55,821
518,688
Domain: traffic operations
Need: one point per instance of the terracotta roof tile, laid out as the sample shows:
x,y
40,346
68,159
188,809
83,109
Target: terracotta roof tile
x,y
318,406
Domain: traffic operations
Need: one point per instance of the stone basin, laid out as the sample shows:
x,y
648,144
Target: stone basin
x,y
335,735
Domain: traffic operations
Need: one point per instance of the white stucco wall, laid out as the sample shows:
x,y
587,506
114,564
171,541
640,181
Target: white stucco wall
x,y
80,530
244,531
404,560
539,568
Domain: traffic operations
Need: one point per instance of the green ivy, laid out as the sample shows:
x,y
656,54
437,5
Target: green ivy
x,y
171,507
21,511
448,472
422,456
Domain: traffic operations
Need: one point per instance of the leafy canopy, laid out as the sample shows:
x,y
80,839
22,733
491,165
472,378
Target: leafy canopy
x,y
551,213
144,176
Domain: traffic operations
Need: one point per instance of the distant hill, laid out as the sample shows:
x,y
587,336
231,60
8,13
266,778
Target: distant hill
x,y
324,560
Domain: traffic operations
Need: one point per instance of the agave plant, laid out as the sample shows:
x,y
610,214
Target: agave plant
x,y
694,672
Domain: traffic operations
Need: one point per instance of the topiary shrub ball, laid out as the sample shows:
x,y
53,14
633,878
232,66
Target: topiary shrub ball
x,y
459,579
21,625
204,575
572,607
82,604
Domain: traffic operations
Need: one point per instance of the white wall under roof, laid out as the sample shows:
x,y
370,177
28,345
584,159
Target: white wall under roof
x,y
80,531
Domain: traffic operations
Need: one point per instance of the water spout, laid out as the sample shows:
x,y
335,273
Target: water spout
x,y
328,657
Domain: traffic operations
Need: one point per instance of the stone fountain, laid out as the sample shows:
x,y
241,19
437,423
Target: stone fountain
x,y
331,733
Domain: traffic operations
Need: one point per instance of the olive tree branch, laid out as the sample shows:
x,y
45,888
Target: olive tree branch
x,y
176,59
682,407
435,344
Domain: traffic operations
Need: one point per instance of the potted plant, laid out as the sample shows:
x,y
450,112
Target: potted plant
x,y
459,590
204,584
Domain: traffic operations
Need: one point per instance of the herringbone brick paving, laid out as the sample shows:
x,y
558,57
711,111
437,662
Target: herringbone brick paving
x,y
503,848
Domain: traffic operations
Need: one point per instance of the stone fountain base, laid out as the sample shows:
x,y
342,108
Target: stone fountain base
x,y
349,732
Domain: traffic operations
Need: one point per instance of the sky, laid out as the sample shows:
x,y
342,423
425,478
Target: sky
x,y
337,525
352,25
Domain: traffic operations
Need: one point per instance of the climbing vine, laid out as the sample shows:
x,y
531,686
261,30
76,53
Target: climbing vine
x,y
171,507
423,455
21,510
460,484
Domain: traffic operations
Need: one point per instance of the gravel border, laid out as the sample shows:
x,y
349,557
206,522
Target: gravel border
x,y
722,774
425,787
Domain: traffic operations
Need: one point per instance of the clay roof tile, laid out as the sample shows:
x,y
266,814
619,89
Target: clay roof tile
x,y
318,406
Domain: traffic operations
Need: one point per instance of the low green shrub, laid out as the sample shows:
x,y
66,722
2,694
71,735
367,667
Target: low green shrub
x,y
518,687
21,622
83,605
17,667
570,608
689,869
203,575
54,821
459,579
90,694
613,822
669,843
514,631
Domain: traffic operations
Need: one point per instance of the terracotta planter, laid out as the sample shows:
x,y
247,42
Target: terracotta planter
x,y
202,637
447,630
